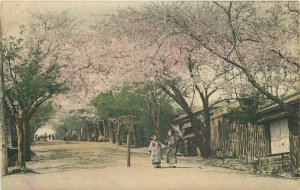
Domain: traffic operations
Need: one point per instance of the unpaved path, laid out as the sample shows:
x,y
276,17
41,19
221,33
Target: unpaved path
x,y
92,165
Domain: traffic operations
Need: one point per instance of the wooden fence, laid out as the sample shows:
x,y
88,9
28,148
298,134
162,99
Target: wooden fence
x,y
242,141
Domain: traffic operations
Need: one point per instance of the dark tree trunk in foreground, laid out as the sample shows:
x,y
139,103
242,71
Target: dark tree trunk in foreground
x,y
21,151
27,142
4,161
201,140
202,143
295,142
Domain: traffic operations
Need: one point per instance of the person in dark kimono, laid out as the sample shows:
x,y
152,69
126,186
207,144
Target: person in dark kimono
x,y
155,151
171,151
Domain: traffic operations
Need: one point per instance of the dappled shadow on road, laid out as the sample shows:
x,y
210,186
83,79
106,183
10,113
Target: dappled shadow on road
x,y
65,157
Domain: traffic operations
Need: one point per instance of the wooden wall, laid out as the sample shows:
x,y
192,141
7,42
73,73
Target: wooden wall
x,y
242,141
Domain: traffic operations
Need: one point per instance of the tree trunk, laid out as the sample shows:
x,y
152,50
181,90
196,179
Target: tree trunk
x,y
111,132
27,132
28,146
21,153
295,142
199,131
203,149
156,126
27,143
4,161
84,134
157,132
207,146
104,130
118,135
81,136
100,136
207,129
32,132
295,151
295,123
135,139
13,133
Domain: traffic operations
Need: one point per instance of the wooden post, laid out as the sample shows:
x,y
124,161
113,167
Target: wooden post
x,y
128,150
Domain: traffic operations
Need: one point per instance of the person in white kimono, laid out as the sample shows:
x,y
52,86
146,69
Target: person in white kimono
x,y
155,151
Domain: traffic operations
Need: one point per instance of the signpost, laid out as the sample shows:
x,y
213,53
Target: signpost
x,y
132,123
128,148
129,120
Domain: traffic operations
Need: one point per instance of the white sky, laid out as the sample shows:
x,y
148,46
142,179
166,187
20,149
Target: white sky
x,y
15,13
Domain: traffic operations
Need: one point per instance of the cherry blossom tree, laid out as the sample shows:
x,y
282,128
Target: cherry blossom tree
x,y
154,42
230,37
34,63
138,52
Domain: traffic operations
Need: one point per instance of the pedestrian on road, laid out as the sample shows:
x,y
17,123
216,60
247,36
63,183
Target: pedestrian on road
x,y
155,151
171,151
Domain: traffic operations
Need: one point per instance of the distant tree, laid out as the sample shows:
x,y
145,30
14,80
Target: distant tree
x,y
40,117
75,120
156,105
154,112
111,106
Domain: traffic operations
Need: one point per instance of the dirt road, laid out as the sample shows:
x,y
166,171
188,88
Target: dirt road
x,y
92,165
